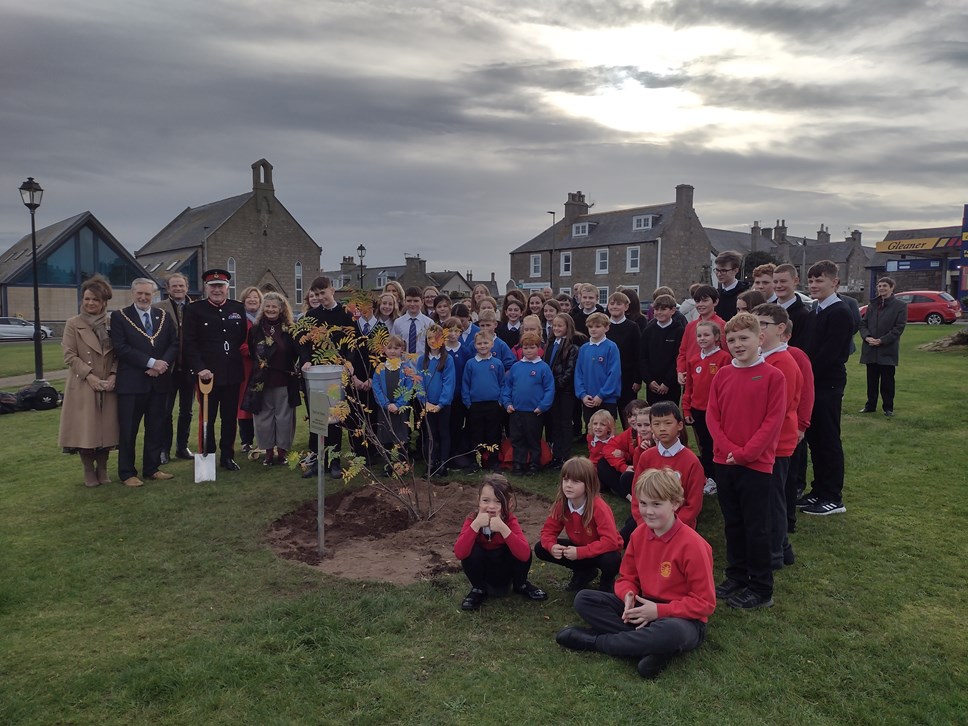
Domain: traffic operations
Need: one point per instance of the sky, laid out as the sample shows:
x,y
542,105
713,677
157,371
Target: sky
x,y
449,129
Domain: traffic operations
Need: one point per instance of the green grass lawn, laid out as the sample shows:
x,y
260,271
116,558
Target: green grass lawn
x,y
17,359
163,605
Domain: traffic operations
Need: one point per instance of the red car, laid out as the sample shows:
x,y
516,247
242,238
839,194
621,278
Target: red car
x,y
928,306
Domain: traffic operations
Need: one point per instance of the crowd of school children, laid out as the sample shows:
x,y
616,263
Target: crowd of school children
x,y
758,371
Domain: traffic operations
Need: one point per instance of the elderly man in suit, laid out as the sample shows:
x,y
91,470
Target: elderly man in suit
x,y
183,388
146,343
215,329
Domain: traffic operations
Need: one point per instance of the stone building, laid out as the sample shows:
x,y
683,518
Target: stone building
x,y
639,248
920,259
68,252
251,235
412,273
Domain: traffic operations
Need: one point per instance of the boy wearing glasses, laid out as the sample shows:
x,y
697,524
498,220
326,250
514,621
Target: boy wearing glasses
x,y
729,288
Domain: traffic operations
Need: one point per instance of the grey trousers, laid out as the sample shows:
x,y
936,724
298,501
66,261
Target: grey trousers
x,y
665,636
275,424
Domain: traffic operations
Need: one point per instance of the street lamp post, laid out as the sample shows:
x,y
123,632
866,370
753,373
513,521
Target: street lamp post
x,y
551,261
31,194
361,251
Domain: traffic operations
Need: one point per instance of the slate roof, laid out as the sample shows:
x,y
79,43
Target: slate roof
x,y
895,234
605,229
188,229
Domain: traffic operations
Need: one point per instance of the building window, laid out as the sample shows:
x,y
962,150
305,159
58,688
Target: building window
x,y
299,284
601,262
643,221
566,263
564,291
535,265
633,288
381,280
603,296
579,230
230,266
632,259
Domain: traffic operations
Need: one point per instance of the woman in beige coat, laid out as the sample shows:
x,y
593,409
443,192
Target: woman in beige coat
x,y
89,417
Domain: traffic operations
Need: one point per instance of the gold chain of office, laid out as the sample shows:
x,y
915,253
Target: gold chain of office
x,y
161,324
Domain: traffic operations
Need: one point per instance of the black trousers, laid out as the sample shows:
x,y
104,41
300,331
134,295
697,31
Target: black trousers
x,y
484,420
525,428
796,482
665,636
436,437
826,450
880,376
608,563
744,498
363,421
494,570
611,479
132,409
587,412
184,394
223,403
705,440
558,425
778,511
625,397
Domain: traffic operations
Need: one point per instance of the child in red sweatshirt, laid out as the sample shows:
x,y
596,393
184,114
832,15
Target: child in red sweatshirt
x,y
701,366
592,542
747,405
670,450
605,454
664,594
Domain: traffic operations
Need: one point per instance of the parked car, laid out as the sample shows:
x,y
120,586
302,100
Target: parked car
x,y
928,306
19,328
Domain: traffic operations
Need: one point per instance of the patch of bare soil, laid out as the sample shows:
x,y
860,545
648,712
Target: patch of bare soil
x,y
368,535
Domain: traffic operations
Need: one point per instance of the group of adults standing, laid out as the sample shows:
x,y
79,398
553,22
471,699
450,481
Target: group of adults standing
x,y
132,367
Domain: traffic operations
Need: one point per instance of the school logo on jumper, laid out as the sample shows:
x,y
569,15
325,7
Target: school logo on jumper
x,y
534,373
713,367
601,359
665,569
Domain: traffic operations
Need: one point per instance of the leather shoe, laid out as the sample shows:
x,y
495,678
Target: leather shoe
x,y
652,665
311,472
582,579
335,472
184,453
473,599
532,592
133,481
161,476
164,457
867,410
230,465
576,638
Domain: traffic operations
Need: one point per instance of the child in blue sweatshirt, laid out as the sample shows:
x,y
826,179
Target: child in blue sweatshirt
x,y
500,349
438,374
457,352
598,371
393,389
481,393
529,390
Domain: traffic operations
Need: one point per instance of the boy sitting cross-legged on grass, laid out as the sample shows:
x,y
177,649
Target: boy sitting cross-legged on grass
x,y
664,594
747,405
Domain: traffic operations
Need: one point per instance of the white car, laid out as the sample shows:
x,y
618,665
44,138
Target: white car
x,y
12,328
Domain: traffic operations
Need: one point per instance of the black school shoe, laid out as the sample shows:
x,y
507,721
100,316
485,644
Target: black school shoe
x,y
532,592
575,638
749,600
728,587
230,465
473,599
652,665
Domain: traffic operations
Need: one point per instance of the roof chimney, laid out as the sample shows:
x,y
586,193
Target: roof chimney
x,y
823,235
684,194
575,206
755,235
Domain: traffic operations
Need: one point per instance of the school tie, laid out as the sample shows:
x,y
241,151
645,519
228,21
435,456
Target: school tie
x,y
412,342
554,351
147,321
366,328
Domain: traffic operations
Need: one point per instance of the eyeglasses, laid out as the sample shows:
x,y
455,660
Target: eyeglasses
x,y
724,270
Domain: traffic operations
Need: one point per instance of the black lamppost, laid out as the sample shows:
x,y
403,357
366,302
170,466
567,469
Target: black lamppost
x,y
31,194
361,251
551,262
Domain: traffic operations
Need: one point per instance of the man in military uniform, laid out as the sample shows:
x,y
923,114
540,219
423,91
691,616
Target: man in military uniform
x,y
215,329
183,390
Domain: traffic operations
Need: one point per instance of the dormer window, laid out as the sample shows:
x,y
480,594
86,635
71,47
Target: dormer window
x,y
579,230
642,221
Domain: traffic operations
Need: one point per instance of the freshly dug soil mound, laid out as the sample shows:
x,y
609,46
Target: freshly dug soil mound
x,y
368,535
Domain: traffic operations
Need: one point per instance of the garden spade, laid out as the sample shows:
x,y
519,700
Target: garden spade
x,y
204,462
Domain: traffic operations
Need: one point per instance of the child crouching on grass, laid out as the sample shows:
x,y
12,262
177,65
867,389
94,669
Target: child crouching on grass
x,y
492,549
592,542
664,594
